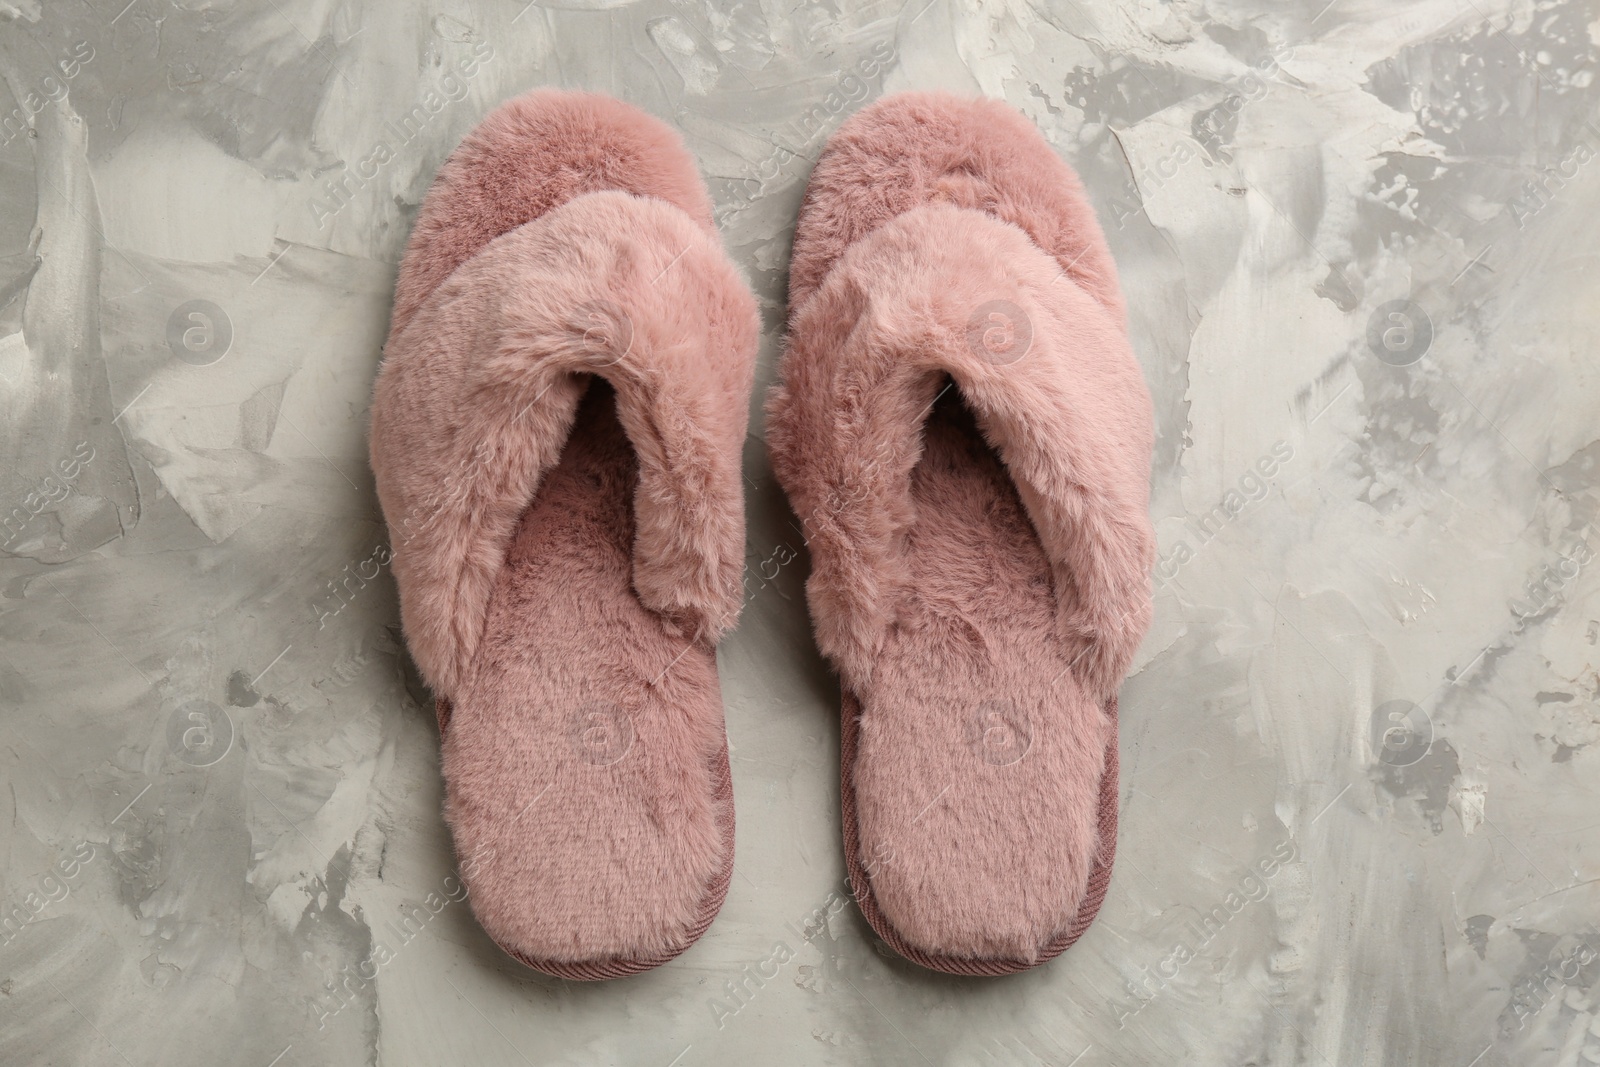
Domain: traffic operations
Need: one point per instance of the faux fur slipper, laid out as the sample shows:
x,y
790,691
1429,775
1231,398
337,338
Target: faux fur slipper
x,y
962,427
556,432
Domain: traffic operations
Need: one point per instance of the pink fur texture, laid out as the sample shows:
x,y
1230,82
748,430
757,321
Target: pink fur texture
x,y
586,764
488,376
980,556
532,153
568,554
933,148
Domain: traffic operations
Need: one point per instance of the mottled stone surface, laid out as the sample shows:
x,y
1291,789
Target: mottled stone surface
x,y
1357,246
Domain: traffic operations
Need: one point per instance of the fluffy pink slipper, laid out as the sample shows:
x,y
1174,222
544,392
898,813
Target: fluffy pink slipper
x,y
980,554
556,433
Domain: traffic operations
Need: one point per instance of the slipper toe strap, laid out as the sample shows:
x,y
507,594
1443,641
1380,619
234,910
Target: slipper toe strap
x,y
1048,372
478,393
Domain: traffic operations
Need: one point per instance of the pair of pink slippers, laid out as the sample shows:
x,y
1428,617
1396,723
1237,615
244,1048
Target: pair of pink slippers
x,y
961,427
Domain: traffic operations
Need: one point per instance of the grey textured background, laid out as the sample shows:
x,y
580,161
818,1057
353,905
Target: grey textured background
x,y
1376,628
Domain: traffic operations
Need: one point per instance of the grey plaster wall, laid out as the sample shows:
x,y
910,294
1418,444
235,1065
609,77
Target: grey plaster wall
x,y
1358,246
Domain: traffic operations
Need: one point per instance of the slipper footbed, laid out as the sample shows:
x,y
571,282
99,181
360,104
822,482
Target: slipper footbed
x,y
587,794
975,747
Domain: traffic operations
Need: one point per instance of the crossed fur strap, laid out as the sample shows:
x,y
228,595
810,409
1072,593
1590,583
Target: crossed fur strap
x,y
479,390
1047,370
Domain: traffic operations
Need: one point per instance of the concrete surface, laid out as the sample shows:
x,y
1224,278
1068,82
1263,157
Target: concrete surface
x,y
1357,243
